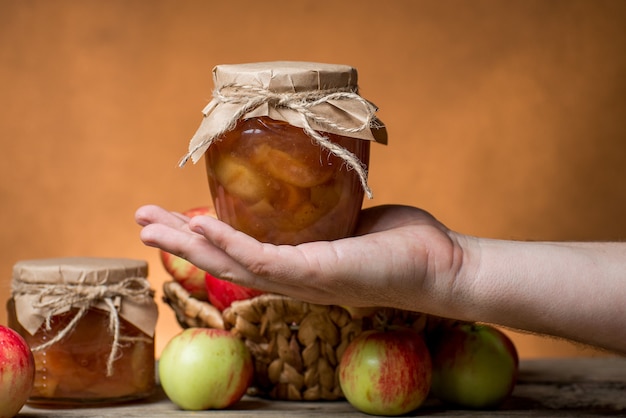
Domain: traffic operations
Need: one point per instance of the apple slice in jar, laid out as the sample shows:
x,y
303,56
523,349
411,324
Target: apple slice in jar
x,y
326,196
288,198
297,170
321,199
250,218
239,179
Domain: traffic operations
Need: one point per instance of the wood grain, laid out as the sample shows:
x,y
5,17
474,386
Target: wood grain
x,y
582,387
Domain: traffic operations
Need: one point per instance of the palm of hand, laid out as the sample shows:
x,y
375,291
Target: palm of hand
x,y
400,256
397,252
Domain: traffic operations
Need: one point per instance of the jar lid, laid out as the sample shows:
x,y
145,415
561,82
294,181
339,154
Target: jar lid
x,y
316,97
313,96
74,270
287,76
42,288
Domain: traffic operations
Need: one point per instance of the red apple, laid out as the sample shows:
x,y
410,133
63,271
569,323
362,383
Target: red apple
x,y
17,372
474,365
386,372
222,293
189,276
205,368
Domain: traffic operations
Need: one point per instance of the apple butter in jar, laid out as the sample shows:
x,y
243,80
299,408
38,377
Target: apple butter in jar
x,y
90,323
286,148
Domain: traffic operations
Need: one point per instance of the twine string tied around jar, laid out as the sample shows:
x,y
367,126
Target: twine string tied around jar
x,y
54,298
250,97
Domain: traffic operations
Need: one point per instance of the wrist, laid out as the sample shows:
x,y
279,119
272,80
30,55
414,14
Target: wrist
x,y
453,284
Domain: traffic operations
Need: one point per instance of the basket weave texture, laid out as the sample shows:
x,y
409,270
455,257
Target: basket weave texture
x,y
296,346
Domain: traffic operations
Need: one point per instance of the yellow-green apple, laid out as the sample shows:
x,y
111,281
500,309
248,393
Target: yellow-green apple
x,y
474,365
222,293
205,368
17,372
188,275
386,372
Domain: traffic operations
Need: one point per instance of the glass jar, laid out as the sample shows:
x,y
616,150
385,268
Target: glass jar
x,y
107,355
286,147
270,181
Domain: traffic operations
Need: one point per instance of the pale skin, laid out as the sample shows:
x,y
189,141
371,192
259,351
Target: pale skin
x,y
403,257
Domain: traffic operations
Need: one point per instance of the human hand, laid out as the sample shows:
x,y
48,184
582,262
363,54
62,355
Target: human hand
x,y
399,257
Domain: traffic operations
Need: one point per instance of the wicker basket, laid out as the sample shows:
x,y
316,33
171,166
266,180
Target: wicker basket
x,y
296,346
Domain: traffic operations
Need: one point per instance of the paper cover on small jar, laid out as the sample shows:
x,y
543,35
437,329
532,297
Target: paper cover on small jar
x,y
286,147
90,323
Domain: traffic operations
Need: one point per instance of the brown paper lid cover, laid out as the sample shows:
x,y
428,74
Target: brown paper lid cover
x,y
287,76
89,272
350,117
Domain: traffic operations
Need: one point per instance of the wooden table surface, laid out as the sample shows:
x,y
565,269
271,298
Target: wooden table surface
x,y
579,387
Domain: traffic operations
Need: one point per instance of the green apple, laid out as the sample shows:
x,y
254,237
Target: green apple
x,y
386,372
17,372
474,365
204,368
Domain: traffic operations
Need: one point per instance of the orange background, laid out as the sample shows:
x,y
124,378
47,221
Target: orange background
x,y
507,119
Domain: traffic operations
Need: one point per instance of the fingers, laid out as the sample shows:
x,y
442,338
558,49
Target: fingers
x,y
318,272
166,230
307,272
246,261
233,242
260,260
172,232
167,238
151,214
194,248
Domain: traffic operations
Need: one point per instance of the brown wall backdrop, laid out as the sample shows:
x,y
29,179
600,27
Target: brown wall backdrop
x,y
507,119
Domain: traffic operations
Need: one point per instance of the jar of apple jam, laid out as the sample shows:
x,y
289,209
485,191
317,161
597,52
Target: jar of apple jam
x,y
90,323
287,148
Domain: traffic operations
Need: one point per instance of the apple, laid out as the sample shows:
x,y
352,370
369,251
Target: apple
x,y
17,372
222,293
205,368
386,372
190,277
474,365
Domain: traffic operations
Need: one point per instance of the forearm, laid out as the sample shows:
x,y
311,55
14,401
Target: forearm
x,y
570,290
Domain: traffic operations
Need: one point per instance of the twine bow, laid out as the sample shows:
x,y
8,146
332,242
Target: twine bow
x,y
251,97
54,298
